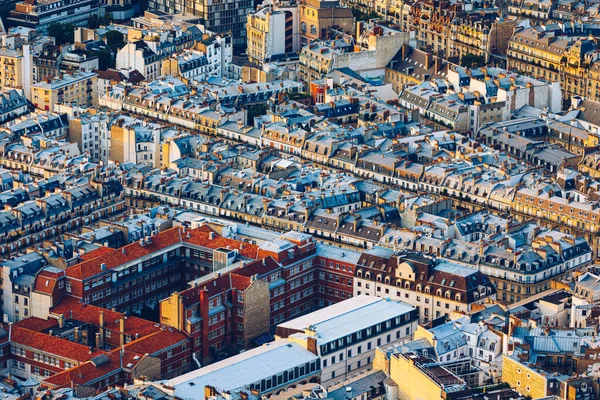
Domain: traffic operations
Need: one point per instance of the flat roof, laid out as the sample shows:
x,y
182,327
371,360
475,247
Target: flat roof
x,y
348,316
242,370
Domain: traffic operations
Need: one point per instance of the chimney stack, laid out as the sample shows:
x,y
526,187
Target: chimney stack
x,y
102,319
428,57
98,341
122,330
437,62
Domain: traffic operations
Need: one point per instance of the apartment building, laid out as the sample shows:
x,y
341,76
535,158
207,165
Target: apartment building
x,y
536,10
80,88
345,335
133,140
34,221
479,38
264,35
12,105
317,16
435,288
554,58
554,207
15,69
39,15
318,59
92,133
223,18
139,55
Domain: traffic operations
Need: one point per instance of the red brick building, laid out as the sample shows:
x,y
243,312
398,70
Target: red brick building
x,y
218,294
83,345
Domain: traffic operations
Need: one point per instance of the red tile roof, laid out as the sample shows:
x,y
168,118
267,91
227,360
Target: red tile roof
x,y
156,342
50,344
45,282
259,267
88,372
215,286
91,314
201,238
91,265
36,324
117,257
100,251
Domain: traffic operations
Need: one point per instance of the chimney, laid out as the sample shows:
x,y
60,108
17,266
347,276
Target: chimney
x,y
76,335
102,319
122,330
61,321
437,63
404,50
98,340
209,391
428,57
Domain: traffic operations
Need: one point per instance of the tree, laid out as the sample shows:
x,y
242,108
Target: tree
x,y
472,61
105,59
93,21
107,19
256,110
5,9
63,33
115,40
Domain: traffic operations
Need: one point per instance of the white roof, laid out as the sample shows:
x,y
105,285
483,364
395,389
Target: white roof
x,y
242,370
348,316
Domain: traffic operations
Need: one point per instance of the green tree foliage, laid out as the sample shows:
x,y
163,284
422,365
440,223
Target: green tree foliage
x,y
63,33
115,40
472,61
93,21
105,59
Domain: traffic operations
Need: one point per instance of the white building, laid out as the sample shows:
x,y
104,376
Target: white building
x,y
92,134
435,288
345,335
585,295
18,277
196,66
139,56
270,368
461,338
266,36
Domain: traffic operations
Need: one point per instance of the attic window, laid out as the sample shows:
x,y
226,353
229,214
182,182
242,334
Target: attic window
x,y
47,283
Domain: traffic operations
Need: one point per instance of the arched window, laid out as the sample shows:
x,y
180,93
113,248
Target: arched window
x,y
427,289
447,294
457,297
438,292
399,282
359,273
419,288
387,280
313,30
379,278
368,275
407,285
